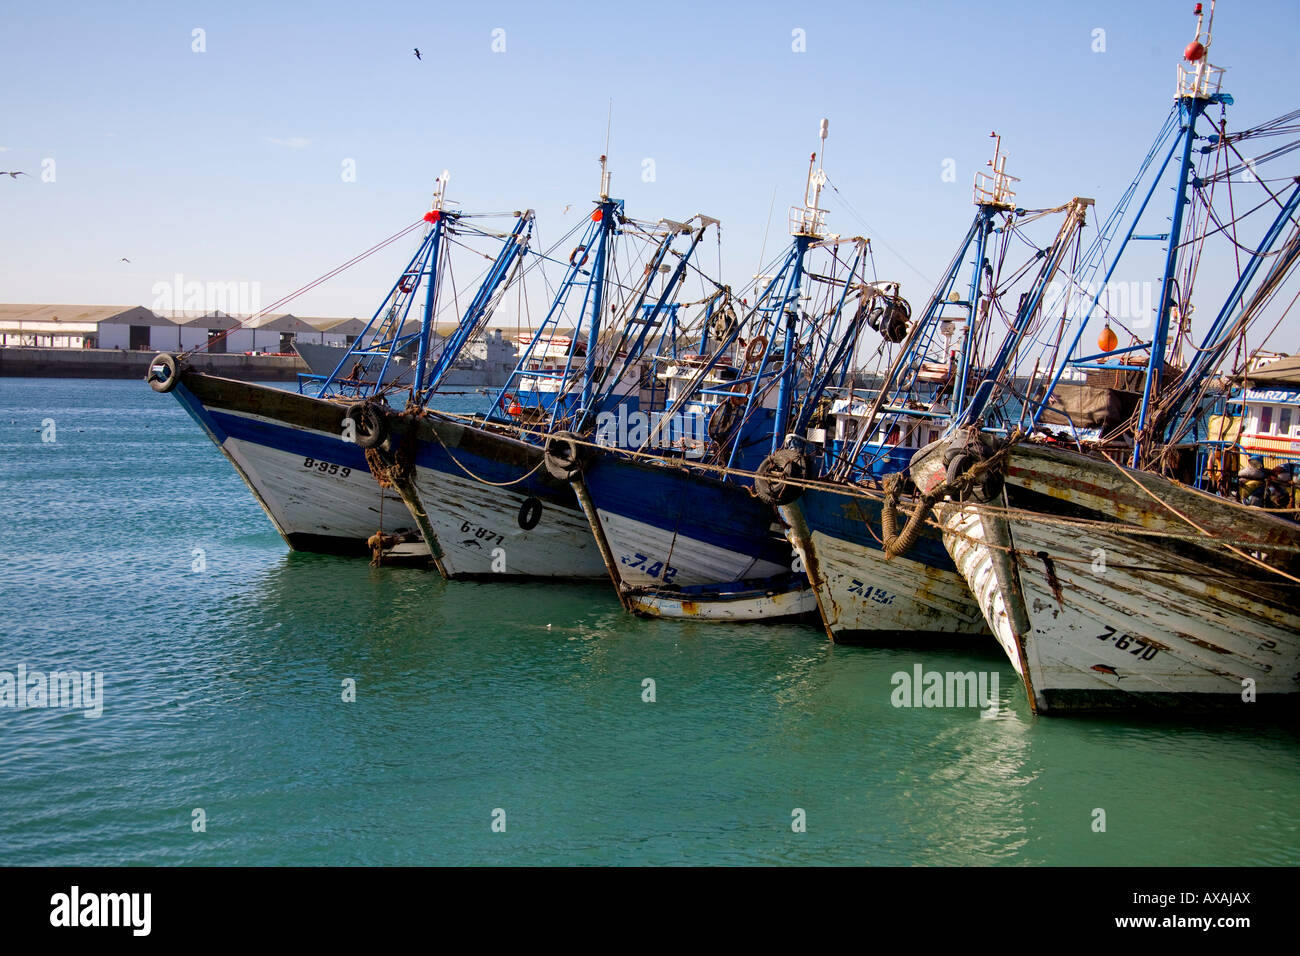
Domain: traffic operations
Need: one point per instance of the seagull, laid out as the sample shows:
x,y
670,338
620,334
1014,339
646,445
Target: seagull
x,y
13,175
126,260
417,54
567,207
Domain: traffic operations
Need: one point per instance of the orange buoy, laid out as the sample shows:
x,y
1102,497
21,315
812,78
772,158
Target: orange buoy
x,y
432,215
1108,340
598,215
1194,51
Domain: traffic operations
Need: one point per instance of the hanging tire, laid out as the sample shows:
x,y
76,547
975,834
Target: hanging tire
x,y
772,482
168,362
369,424
982,491
563,456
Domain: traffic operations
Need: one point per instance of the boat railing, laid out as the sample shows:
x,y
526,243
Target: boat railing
x,y
807,221
1202,80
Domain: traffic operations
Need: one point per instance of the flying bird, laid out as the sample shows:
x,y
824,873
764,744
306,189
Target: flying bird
x,y
126,260
417,54
567,207
13,175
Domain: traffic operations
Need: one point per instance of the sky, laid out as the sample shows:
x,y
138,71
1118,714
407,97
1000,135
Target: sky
x,y
223,155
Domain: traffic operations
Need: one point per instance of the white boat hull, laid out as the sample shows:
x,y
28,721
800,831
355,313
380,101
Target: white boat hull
x,y
861,595
315,487
1102,616
768,606
531,528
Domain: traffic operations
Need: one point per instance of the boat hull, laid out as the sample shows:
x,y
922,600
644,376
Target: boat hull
x,y
671,529
487,504
791,603
1105,599
862,596
315,487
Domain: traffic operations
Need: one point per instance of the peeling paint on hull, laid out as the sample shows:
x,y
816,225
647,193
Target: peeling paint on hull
x,y
1103,618
862,596
798,603
669,528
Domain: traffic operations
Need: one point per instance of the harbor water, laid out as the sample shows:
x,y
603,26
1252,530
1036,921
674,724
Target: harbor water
x,y
512,723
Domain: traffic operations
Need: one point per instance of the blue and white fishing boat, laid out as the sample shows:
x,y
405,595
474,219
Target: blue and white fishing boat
x,y
306,455
869,588
697,536
479,486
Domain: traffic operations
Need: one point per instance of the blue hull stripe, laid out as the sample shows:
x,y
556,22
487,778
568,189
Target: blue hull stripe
x,y
719,513
852,518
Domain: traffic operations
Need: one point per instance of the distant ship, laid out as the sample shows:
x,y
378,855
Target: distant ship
x,y
485,362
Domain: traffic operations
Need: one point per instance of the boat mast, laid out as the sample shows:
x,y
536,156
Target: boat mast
x,y
431,290
991,194
810,225
604,215
1198,87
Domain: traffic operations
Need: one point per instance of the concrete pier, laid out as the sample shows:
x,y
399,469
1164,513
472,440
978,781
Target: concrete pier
x,y
124,363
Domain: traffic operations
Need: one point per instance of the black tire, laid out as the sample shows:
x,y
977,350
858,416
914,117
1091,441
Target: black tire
x,y
370,425
168,362
771,484
982,491
563,456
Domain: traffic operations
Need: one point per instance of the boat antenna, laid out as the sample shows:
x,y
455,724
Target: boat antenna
x,y
439,189
809,220
604,165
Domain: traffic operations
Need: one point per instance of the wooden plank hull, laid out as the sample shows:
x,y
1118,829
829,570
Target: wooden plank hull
x,y
315,487
861,595
1129,606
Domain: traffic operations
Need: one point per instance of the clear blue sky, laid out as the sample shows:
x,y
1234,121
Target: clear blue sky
x,y
225,165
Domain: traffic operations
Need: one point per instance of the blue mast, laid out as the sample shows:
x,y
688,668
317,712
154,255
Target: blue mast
x,y
1190,108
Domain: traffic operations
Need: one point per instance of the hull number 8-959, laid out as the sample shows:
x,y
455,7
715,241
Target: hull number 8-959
x,y
326,467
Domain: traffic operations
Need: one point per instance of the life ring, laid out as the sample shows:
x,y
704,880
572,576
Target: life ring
x,y
563,456
407,283
369,424
507,400
573,257
167,383
744,388
754,351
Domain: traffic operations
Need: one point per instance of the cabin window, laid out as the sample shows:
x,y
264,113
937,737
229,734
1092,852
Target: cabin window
x,y
851,430
1284,422
1266,420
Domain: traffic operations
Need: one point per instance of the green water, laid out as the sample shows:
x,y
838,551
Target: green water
x,y
223,691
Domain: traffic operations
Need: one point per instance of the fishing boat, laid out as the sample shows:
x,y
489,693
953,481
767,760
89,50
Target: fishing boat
x,y
836,523
478,485
698,537
306,455
1110,581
